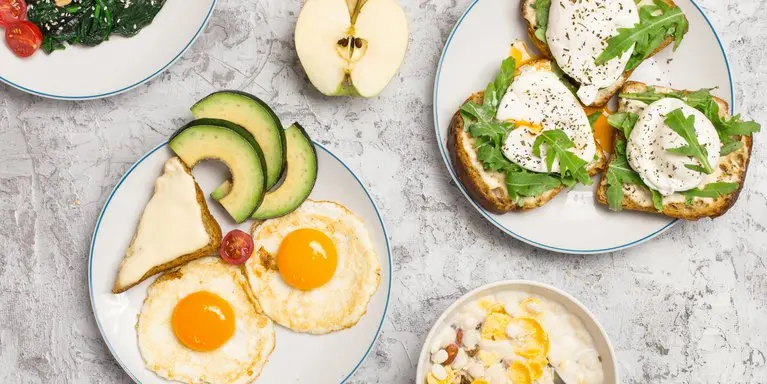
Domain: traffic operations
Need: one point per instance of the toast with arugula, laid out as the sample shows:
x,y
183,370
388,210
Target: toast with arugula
x,y
637,164
481,146
599,44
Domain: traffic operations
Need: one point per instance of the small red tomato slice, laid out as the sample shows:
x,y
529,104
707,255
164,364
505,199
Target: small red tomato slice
x,y
23,38
12,11
236,247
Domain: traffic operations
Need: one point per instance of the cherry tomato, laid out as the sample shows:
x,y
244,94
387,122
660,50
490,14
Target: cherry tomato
x,y
23,38
236,247
12,11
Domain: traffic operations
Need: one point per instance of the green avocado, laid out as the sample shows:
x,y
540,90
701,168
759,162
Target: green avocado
x,y
257,118
234,146
299,178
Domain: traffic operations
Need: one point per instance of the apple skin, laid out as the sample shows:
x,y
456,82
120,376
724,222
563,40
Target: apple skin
x,y
364,71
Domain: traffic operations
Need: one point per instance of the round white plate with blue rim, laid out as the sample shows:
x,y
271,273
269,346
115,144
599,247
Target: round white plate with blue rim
x,y
116,65
297,358
572,222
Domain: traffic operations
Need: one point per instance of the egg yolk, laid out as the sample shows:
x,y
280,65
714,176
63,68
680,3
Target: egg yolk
x,y
307,259
604,133
203,321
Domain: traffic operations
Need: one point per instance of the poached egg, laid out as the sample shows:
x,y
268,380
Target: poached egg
x,y
538,101
648,145
577,34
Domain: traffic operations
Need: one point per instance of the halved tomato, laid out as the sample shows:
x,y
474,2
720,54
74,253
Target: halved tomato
x,y
12,11
236,247
23,37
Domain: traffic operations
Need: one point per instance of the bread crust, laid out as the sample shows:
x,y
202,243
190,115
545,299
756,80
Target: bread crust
x,y
473,176
603,97
211,226
733,165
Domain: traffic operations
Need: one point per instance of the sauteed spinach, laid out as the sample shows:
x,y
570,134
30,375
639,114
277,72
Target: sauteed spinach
x,y
90,22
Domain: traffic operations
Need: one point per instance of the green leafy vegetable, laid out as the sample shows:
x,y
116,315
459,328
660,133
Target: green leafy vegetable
x,y
90,22
685,127
619,172
713,190
623,121
523,183
542,18
558,145
657,21
657,200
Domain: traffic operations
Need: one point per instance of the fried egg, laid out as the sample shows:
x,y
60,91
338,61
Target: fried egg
x,y
199,324
314,270
538,101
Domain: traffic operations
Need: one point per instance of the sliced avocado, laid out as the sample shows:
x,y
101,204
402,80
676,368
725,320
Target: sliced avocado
x,y
299,178
255,116
234,146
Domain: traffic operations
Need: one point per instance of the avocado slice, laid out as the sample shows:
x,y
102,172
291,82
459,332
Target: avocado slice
x,y
257,118
234,146
299,178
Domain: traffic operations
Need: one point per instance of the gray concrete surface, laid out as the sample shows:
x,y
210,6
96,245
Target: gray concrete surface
x,y
688,307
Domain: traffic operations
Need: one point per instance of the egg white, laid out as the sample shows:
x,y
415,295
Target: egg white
x,y
648,145
339,303
577,34
538,96
239,360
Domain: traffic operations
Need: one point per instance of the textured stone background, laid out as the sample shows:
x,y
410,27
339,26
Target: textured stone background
x,y
688,307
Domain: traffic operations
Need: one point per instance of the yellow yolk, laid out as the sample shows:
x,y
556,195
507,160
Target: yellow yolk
x,y
307,259
535,128
203,321
604,133
520,53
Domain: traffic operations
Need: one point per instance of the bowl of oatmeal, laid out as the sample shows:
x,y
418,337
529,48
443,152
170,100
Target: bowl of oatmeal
x,y
517,332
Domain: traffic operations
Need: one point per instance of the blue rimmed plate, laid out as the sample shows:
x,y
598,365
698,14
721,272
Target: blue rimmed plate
x,y
572,222
297,358
115,66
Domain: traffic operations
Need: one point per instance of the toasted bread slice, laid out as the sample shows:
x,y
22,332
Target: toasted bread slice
x,y
733,169
531,16
176,227
488,188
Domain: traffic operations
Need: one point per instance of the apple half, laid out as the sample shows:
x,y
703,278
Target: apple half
x,y
351,47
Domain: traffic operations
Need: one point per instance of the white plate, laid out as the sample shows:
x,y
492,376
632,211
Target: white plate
x,y
601,341
114,66
297,357
572,222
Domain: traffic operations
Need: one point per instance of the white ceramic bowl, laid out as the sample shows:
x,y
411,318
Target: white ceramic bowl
x,y
603,345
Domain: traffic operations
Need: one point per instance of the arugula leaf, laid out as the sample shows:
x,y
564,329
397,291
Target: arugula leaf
x,y
650,95
685,127
623,121
729,145
713,190
523,183
542,18
493,159
558,148
657,200
656,22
